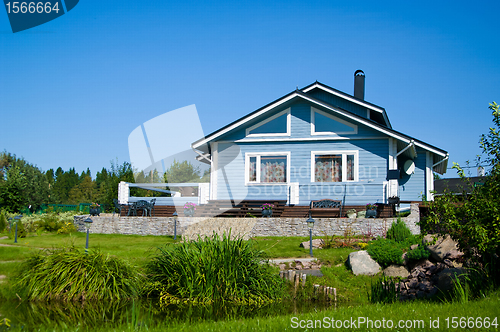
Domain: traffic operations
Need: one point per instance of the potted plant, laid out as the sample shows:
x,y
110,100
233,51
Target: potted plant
x,y
95,209
351,213
189,209
371,210
267,210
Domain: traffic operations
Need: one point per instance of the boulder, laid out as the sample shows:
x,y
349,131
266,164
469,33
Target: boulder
x,y
396,271
360,262
445,278
317,243
442,247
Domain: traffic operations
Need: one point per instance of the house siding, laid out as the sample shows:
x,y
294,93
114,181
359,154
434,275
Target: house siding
x,y
412,187
373,156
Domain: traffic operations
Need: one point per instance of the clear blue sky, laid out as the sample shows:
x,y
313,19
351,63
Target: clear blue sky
x,y
73,89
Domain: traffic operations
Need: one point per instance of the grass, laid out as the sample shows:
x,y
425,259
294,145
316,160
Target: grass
x,y
350,289
135,248
214,269
73,274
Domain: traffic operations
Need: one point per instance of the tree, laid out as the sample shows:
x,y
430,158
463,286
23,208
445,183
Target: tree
x,y
182,172
490,143
21,184
475,222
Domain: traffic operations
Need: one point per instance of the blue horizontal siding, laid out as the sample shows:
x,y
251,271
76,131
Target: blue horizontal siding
x,y
373,156
412,187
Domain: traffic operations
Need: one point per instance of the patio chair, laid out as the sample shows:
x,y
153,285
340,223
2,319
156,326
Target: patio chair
x,y
118,207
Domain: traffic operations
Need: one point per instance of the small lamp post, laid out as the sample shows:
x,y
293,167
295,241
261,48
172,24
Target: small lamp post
x,y
310,224
175,215
16,220
88,222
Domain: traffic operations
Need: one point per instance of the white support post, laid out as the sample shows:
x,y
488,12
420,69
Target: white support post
x,y
392,189
203,193
214,171
293,193
429,177
123,192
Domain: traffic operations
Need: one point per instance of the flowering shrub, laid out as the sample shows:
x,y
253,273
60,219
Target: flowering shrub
x,y
190,206
67,228
267,206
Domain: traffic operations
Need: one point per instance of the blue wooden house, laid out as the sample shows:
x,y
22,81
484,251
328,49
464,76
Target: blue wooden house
x,y
315,143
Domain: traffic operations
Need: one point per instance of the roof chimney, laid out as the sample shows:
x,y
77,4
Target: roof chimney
x,y
359,84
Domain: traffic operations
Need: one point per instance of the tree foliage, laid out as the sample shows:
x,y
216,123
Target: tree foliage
x,y
21,184
474,222
182,172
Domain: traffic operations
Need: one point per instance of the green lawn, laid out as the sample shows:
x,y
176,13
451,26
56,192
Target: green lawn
x,y
350,289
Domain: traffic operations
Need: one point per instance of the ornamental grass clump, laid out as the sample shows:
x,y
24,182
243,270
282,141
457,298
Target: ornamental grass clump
x,y
214,270
72,275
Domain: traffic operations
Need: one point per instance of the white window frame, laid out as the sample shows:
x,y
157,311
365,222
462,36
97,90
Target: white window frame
x,y
248,155
288,125
344,154
313,126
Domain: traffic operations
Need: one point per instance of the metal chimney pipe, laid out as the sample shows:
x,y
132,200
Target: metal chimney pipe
x,y
359,84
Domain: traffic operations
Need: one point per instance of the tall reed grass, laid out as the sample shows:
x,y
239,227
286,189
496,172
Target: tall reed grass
x,y
214,269
71,274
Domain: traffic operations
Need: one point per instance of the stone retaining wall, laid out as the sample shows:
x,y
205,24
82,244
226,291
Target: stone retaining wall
x,y
246,227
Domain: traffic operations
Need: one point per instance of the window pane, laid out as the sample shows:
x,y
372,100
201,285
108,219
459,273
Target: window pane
x,y
252,176
272,169
350,167
328,168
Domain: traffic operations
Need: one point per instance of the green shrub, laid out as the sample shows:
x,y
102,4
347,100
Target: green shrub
x,y
3,222
385,252
72,274
399,232
214,269
417,254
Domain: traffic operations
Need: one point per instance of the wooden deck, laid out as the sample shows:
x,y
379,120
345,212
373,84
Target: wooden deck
x,y
252,208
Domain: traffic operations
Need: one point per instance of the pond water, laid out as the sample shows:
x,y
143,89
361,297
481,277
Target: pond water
x,y
29,315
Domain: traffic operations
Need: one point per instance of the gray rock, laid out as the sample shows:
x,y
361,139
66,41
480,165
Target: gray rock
x,y
396,271
454,254
360,262
317,243
442,248
445,278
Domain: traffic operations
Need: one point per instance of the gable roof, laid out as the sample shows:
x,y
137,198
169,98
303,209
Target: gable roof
x,y
440,159
338,93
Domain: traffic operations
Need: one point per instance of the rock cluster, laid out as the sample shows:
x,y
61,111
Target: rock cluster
x,y
427,277
300,265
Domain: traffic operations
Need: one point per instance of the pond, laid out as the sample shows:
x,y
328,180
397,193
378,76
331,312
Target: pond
x,y
28,315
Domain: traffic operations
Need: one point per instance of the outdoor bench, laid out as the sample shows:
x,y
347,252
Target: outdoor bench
x,y
326,208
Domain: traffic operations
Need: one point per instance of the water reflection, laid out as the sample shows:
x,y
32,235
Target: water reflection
x,y
144,312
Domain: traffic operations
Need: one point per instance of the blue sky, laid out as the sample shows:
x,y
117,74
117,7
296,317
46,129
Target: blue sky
x,y
73,89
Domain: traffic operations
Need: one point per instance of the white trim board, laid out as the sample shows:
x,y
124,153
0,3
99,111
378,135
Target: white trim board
x,y
334,118
263,122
